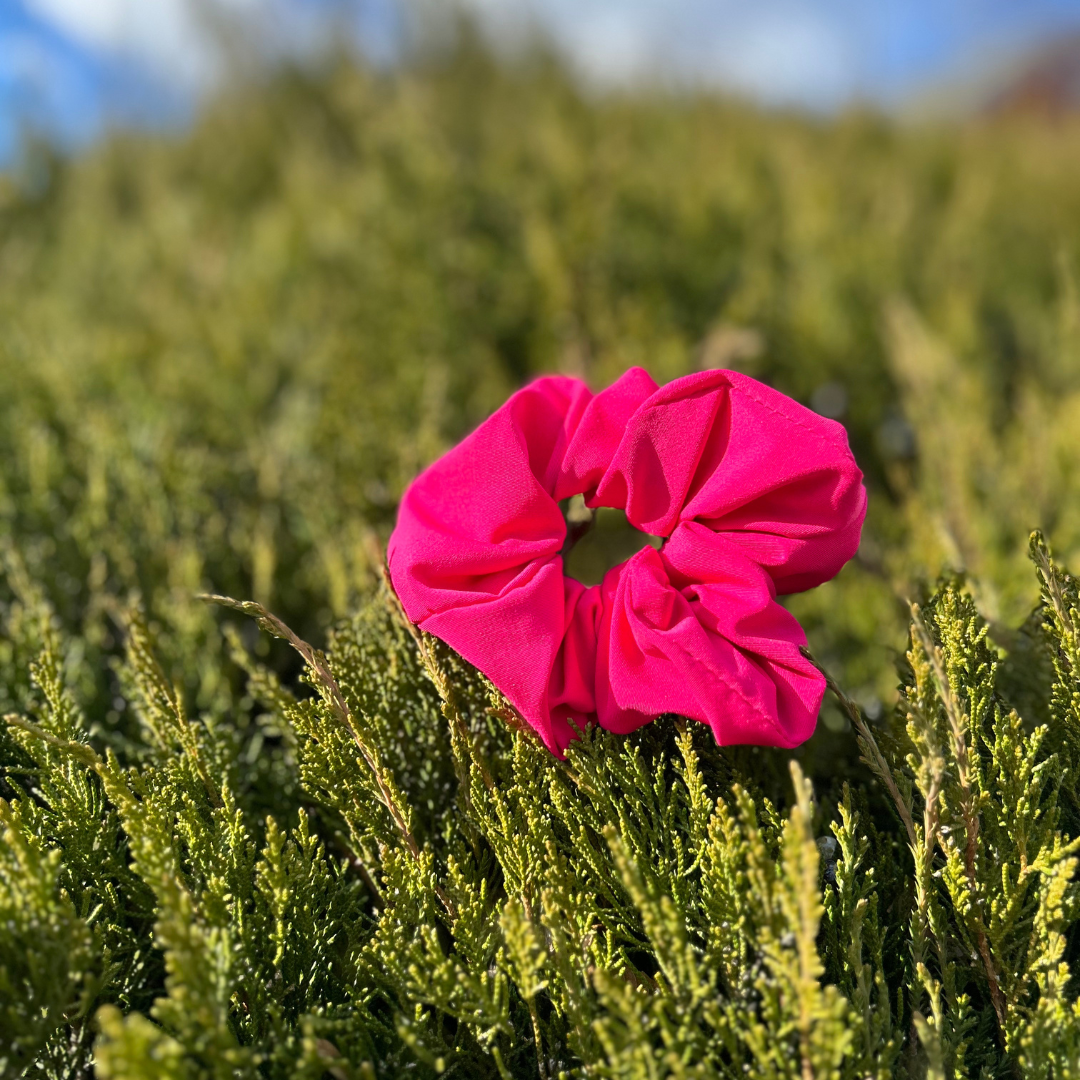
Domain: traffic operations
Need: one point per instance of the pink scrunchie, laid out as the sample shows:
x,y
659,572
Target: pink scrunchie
x,y
755,495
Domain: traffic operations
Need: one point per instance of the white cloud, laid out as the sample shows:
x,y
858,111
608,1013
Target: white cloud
x,y
780,51
610,45
175,38
787,55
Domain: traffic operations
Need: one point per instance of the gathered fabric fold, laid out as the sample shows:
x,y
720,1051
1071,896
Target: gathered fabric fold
x,y
753,495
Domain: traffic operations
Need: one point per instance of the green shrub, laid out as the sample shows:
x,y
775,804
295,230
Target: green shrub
x,y
449,899
222,357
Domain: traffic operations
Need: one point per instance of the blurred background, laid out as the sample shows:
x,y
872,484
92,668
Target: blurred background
x,y
261,260
71,69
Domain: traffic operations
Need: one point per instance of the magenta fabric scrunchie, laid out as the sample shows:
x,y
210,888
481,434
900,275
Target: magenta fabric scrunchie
x,y
754,495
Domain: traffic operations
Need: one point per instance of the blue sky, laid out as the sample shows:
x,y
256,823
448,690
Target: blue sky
x,y
72,67
819,53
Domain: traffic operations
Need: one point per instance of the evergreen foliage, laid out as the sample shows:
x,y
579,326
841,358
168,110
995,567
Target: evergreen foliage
x,y
228,853
446,898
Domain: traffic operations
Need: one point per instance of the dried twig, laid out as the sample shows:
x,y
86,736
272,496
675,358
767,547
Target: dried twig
x,y
872,754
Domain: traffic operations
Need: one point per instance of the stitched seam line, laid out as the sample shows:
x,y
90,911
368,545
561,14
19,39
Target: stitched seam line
x,y
790,419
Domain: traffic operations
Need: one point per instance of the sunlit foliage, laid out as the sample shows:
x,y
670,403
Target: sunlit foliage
x,y
222,356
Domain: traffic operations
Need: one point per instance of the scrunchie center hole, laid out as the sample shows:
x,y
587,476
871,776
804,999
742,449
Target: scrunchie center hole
x,y
597,540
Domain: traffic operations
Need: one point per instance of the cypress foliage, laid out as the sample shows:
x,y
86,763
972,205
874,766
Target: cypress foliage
x,y
222,357
446,898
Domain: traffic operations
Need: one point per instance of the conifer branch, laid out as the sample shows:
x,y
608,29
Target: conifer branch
x,y
163,704
320,669
79,751
959,723
1041,557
